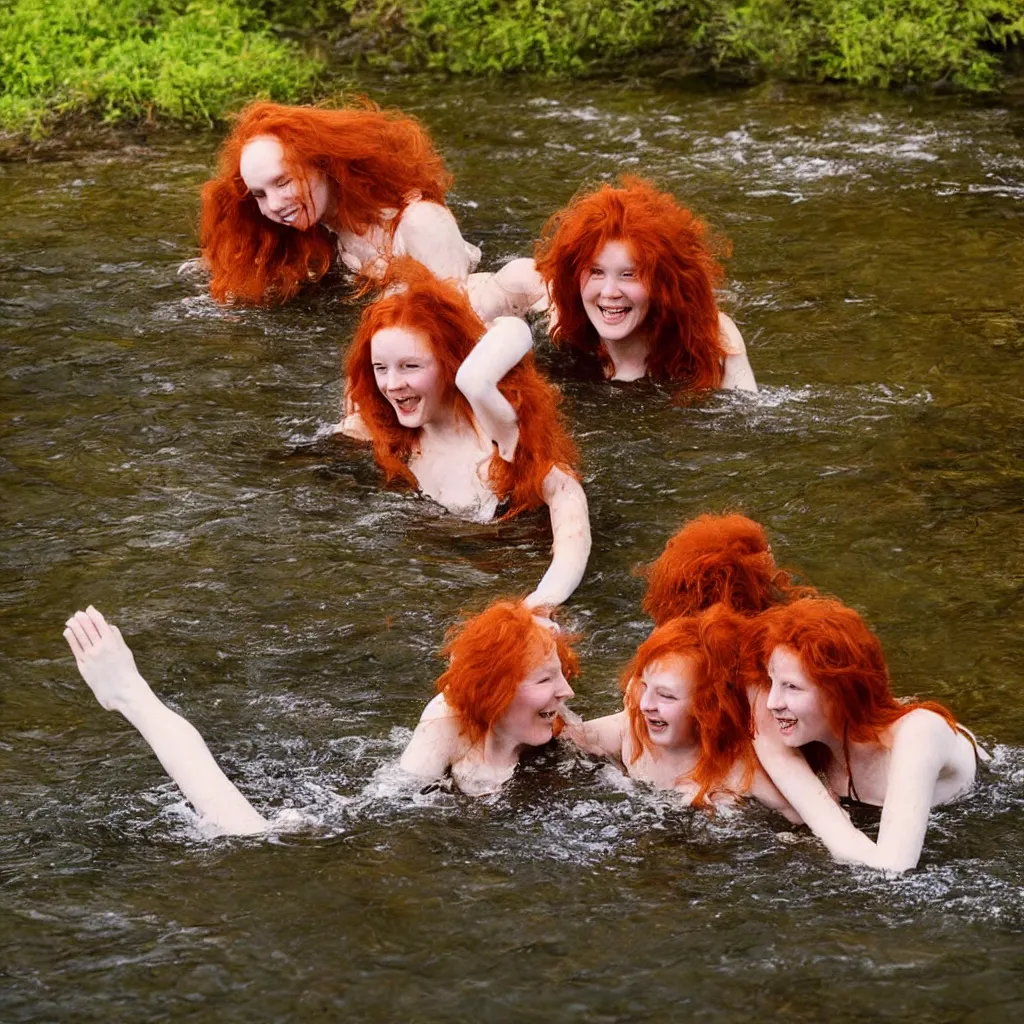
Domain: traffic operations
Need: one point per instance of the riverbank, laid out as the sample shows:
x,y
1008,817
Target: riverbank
x,y
185,61
194,61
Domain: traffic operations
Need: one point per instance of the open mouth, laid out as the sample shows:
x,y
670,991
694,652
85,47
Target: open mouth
x,y
407,404
656,724
548,716
290,217
614,314
786,725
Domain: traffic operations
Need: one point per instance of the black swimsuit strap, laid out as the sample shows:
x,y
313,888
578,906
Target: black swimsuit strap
x,y
851,789
964,731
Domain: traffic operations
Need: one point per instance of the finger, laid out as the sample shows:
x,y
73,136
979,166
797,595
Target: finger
x,y
88,627
76,647
84,643
97,619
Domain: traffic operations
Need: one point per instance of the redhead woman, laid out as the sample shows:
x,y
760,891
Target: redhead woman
x,y
471,424
717,558
506,682
685,723
632,286
826,706
504,691
299,187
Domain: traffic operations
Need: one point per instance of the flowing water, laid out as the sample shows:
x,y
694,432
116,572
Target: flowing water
x,y
165,459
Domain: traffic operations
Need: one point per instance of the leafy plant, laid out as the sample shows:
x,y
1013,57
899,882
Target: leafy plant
x,y
191,60
867,42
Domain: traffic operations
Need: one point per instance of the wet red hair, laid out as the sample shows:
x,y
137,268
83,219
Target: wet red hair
x,y
711,644
441,313
717,558
489,655
844,658
373,159
673,261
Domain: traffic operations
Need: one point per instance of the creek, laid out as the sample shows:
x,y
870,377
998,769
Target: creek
x,y
165,459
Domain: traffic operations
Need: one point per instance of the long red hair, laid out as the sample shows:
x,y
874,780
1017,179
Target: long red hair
x,y
711,644
712,559
673,260
844,658
489,655
373,160
442,315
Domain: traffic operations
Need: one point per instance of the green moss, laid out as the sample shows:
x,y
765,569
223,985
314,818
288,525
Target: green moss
x,y
190,60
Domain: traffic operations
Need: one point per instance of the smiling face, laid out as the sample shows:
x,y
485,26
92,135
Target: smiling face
x,y
408,375
283,196
795,700
530,718
614,298
664,691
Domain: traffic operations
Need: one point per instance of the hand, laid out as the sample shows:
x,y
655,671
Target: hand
x,y
104,660
538,603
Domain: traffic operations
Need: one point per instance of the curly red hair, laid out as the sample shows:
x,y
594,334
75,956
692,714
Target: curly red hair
x,y
711,645
844,658
441,313
489,655
712,559
372,158
673,260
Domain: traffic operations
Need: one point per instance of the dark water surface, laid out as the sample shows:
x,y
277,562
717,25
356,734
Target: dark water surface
x,y
163,458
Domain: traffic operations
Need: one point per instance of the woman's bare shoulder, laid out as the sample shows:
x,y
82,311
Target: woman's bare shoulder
x,y
732,339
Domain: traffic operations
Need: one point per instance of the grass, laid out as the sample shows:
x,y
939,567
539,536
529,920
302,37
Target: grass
x,y
194,61
187,60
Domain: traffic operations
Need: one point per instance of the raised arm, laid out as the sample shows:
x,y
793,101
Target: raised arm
x,y
738,372
570,548
506,342
107,665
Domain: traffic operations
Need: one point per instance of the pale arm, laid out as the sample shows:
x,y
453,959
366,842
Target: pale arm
x,y
600,736
107,665
436,743
514,290
804,792
502,346
922,745
739,375
766,792
570,549
429,233
919,751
